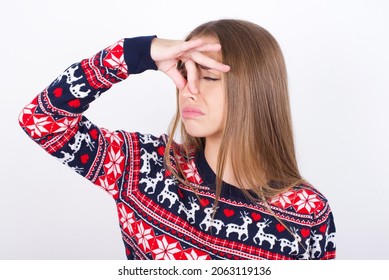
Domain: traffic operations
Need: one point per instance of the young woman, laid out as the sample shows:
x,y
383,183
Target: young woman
x,y
231,188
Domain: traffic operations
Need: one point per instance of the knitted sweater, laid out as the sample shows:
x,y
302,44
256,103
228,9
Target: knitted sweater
x,y
160,218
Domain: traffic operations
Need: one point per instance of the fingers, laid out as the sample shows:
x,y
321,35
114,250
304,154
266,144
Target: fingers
x,y
195,49
209,62
177,78
166,54
192,75
199,45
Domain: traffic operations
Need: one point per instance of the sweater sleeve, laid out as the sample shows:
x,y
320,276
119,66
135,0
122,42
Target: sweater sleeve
x,y
322,243
54,119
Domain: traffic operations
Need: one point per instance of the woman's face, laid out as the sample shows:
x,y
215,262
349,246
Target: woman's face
x,y
203,113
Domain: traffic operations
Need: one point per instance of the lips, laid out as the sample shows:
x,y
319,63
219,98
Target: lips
x,y
191,112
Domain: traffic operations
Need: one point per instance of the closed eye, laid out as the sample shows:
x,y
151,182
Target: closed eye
x,y
210,79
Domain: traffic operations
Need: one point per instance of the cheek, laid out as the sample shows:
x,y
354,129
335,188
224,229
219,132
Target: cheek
x,y
218,104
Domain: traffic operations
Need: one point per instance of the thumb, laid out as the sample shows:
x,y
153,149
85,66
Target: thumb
x,y
177,78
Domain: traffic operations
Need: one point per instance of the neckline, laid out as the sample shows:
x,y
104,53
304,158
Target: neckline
x,y
209,179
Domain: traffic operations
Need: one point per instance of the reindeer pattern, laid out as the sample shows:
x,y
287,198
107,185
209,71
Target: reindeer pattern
x,y
241,230
76,89
262,236
75,147
190,212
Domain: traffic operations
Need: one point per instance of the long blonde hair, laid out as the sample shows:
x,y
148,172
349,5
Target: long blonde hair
x,y
258,133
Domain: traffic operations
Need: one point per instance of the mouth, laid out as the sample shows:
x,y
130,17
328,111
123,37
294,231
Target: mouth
x,y
191,112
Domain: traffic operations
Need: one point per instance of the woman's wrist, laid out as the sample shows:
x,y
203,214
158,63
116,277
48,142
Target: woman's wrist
x,y
137,54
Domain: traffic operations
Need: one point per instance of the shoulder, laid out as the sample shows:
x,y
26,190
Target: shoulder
x,y
303,199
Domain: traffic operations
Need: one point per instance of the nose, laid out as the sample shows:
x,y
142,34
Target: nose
x,y
190,90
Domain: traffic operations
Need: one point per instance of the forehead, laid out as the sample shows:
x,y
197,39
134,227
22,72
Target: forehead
x,y
208,39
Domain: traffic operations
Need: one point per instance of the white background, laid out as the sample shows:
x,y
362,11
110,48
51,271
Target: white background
x,y
337,57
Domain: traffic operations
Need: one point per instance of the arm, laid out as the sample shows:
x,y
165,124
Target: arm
x,y
54,118
322,241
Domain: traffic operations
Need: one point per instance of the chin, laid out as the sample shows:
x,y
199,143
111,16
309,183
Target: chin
x,y
195,132
201,133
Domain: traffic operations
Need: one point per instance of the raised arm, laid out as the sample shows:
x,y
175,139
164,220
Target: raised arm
x,y
54,118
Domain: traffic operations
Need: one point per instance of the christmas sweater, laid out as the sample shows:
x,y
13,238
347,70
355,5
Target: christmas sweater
x,y
159,217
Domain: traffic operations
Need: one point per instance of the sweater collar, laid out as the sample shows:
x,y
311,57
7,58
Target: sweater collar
x,y
209,179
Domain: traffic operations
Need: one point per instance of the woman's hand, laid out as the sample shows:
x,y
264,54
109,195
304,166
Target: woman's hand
x,y
167,53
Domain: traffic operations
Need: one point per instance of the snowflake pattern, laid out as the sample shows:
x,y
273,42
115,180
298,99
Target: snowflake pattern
x,y
108,185
27,112
306,202
115,59
126,218
194,254
113,137
115,163
191,172
65,124
40,125
283,200
144,234
166,248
